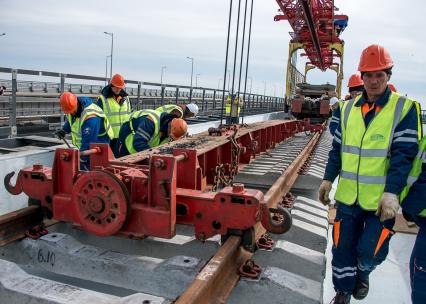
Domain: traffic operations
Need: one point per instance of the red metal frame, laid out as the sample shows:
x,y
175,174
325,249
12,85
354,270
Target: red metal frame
x,y
312,24
148,193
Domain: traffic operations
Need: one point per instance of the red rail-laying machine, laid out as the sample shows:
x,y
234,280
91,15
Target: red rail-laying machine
x,y
148,193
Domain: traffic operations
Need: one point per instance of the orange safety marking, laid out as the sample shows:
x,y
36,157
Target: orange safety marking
x,y
383,236
336,233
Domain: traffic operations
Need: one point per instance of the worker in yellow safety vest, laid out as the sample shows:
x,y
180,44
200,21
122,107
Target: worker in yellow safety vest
x,y
86,122
232,118
373,149
414,210
180,110
356,87
148,129
115,102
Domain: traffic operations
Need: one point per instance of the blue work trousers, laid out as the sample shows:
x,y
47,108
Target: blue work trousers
x,y
418,268
114,144
360,243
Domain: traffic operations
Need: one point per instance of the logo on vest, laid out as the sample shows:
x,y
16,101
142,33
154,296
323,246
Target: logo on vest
x,y
377,137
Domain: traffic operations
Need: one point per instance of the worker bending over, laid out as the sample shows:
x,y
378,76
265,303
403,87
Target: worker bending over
x,y
356,87
148,129
180,111
86,122
115,103
372,152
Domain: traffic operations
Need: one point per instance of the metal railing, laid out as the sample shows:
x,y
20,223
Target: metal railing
x,y
31,100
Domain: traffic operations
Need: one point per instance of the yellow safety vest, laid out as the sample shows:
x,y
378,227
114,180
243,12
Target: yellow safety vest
x,y
117,114
155,140
169,109
228,106
364,152
91,109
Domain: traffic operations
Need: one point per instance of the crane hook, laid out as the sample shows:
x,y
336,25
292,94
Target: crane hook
x,y
15,190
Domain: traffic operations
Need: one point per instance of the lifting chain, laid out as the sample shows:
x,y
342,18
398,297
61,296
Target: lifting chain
x,y
235,153
220,178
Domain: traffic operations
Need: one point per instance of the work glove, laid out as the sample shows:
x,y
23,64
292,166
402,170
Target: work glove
x,y
388,206
60,133
324,192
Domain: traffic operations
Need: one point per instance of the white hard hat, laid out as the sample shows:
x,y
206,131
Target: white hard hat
x,y
333,100
193,108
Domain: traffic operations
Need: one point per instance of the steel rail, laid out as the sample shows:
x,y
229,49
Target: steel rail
x,y
14,225
216,280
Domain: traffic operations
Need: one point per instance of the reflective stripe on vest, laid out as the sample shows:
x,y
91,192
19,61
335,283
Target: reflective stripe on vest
x,y
92,109
365,151
117,114
228,106
169,109
415,171
155,139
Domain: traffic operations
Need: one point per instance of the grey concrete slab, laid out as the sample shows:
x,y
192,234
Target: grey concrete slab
x,y
307,235
295,259
277,286
18,287
61,254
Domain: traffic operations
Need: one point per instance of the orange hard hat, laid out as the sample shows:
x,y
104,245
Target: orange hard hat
x,y
392,87
178,128
118,81
375,58
355,81
68,103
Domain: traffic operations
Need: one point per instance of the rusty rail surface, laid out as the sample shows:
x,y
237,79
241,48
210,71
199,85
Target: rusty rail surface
x,y
15,225
216,280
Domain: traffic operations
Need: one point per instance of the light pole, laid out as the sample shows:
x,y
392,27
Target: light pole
x,y
264,89
218,85
112,48
275,89
192,73
251,83
196,80
162,73
106,69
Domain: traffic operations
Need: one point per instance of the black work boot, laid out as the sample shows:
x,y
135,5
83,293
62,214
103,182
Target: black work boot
x,y
361,288
341,298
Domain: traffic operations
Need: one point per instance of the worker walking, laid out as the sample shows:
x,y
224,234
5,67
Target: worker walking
x,y
86,122
184,111
356,87
414,210
372,152
115,103
148,129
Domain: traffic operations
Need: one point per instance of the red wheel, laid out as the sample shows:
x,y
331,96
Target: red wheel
x,y
102,203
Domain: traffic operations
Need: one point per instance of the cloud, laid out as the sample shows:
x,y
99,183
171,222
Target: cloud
x,y
68,36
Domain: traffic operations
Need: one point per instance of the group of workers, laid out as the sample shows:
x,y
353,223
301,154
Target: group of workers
x,y
379,154
110,120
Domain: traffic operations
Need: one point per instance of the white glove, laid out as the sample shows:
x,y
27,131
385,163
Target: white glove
x,y
324,192
388,206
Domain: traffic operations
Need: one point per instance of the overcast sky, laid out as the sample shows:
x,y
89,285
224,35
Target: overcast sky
x,y
67,36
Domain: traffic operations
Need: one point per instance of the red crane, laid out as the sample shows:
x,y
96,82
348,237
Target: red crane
x,y
316,30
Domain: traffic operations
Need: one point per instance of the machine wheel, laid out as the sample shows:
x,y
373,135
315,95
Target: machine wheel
x,y
102,203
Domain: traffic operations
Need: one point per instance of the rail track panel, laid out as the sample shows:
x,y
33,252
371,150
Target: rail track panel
x,y
156,270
